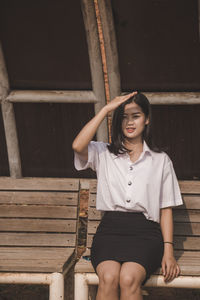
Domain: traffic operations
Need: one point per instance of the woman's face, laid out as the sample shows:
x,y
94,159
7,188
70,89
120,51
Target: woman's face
x,y
134,121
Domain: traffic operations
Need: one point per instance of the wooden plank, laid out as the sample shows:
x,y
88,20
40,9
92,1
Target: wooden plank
x,y
37,239
39,184
173,98
180,215
50,96
186,186
93,186
190,186
45,198
94,214
186,215
36,211
35,259
190,202
179,228
42,225
189,229
186,243
190,266
92,201
26,253
40,266
180,243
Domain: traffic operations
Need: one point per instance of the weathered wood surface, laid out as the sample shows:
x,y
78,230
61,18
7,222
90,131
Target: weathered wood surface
x,y
36,211
186,229
173,98
189,262
28,259
43,198
37,239
39,184
180,242
38,225
186,186
179,228
50,96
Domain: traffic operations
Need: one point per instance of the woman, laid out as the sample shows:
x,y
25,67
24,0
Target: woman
x,y
137,188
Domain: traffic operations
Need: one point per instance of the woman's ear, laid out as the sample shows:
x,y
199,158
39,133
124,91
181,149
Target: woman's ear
x,y
147,121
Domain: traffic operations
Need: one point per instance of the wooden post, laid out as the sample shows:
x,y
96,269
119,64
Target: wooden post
x,y
9,122
111,52
89,18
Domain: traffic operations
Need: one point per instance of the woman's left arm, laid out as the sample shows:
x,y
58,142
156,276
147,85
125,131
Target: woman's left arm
x,y
170,267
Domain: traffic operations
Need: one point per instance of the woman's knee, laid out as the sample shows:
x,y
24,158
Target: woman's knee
x,y
130,281
109,278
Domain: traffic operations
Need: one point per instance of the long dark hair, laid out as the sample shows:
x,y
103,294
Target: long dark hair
x,y
117,137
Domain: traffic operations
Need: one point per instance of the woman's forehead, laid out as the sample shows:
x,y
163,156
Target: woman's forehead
x,y
132,108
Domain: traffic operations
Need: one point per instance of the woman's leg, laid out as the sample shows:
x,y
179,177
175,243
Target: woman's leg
x,y
108,272
131,277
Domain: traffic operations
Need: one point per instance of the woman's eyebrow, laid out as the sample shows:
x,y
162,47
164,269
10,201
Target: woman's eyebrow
x,y
133,113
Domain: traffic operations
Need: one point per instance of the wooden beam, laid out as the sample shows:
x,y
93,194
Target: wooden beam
x,y
9,122
173,98
42,96
91,30
105,9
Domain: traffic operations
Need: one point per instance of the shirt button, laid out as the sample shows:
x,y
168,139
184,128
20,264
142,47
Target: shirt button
x,y
128,200
129,183
131,168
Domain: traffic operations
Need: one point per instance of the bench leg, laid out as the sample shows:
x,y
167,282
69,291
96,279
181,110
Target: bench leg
x,y
56,287
81,287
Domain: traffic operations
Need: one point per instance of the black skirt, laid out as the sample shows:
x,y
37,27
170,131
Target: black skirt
x,y
128,237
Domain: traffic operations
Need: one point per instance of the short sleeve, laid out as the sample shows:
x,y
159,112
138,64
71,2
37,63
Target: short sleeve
x,y
94,149
170,191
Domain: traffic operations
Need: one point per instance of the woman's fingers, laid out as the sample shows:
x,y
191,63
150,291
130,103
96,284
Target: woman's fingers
x,y
117,101
126,97
172,272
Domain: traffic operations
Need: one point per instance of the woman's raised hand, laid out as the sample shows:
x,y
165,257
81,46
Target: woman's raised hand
x,y
117,101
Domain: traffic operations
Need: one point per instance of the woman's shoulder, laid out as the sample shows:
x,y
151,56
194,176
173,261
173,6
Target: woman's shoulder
x,y
162,155
99,145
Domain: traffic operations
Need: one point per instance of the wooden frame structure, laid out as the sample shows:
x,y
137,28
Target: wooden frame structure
x,y
96,96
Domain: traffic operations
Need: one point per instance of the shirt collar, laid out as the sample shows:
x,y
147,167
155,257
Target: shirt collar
x,y
146,148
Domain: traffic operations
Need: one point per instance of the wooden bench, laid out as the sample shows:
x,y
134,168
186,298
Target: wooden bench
x,y
38,231
186,238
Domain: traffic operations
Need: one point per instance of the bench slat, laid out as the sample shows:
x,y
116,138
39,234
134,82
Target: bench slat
x,y
35,211
190,202
186,186
189,266
180,242
186,215
180,215
44,198
179,228
37,239
35,253
39,184
45,225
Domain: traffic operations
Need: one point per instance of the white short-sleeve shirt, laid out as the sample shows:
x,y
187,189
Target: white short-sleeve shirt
x,y
146,186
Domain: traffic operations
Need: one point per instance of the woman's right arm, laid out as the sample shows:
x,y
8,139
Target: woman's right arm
x,y
80,144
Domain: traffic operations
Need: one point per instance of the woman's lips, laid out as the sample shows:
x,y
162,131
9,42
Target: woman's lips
x,y
130,130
